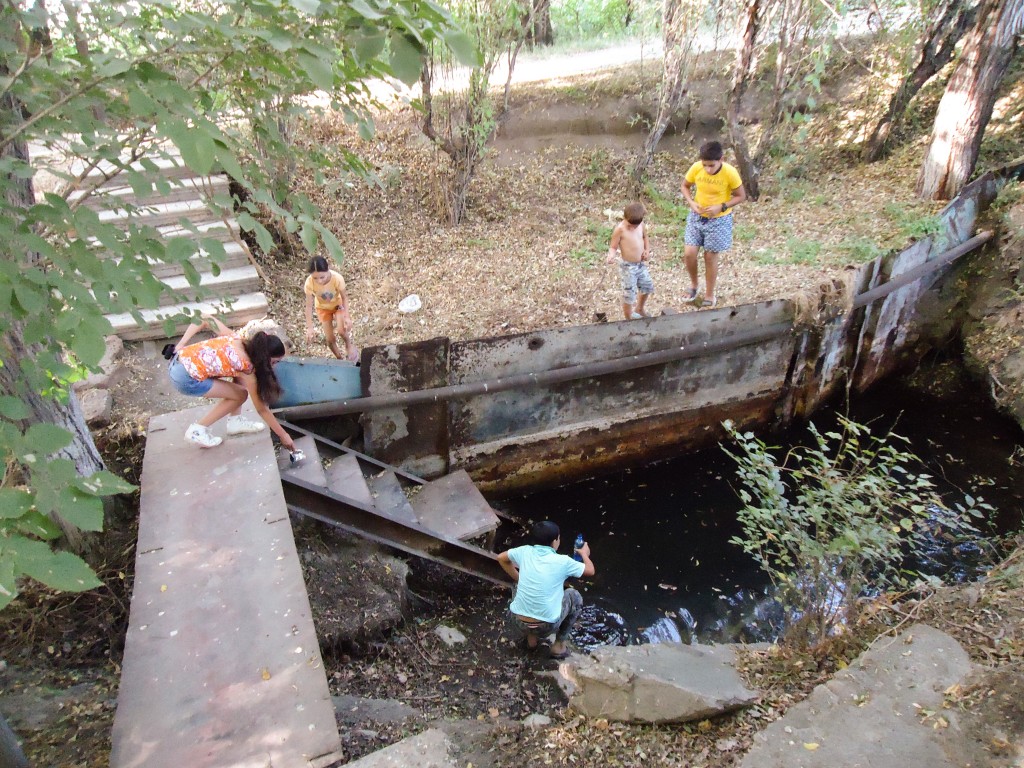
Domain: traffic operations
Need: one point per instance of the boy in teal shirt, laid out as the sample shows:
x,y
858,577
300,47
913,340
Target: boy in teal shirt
x,y
540,605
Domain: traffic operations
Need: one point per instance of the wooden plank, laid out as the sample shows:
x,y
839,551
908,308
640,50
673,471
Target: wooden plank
x,y
389,498
221,664
345,477
251,306
454,507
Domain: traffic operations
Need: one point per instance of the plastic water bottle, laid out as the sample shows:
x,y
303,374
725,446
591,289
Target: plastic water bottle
x,y
578,545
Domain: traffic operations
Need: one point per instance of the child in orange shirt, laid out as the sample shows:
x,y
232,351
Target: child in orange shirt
x,y
325,291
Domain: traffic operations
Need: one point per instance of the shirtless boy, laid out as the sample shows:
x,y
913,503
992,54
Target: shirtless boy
x,y
630,240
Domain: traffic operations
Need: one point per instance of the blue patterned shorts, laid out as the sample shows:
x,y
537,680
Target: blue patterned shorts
x,y
714,234
634,275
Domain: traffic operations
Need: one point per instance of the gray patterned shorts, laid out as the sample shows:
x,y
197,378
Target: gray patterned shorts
x,y
714,234
634,275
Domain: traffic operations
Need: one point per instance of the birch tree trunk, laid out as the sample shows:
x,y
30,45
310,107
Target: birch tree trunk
x,y
750,22
966,106
677,24
82,451
949,23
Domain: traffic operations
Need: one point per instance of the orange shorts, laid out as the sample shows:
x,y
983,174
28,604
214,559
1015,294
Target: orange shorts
x,y
327,315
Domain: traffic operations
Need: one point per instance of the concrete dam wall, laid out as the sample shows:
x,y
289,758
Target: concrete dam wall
x,y
544,408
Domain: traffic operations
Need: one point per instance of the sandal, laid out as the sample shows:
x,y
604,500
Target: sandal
x,y
690,294
563,655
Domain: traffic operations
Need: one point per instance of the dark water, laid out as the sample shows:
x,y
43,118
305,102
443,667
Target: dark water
x,y
659,535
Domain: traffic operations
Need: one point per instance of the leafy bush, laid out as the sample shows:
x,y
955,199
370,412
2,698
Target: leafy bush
x,y
837,518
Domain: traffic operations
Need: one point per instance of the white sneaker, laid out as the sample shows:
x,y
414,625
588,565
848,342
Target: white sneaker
x,y
202,436
239,425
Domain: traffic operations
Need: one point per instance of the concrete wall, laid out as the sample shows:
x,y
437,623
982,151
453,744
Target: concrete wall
x,y
550,434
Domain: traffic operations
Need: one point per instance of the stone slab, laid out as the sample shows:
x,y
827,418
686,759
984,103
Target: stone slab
x,y
221,664
874,713
357,709
424,750
659,683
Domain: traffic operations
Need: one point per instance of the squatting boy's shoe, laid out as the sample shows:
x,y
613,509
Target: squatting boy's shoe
x,y
202,436
239,425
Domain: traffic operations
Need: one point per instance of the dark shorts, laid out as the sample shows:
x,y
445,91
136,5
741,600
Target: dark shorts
x,y
185,383
572,606
714,235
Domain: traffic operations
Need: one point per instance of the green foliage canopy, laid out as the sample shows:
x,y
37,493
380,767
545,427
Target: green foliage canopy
x,y
114,88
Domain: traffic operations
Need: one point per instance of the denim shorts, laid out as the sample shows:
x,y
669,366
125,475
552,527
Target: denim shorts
x,y
634,275
185,383
714,234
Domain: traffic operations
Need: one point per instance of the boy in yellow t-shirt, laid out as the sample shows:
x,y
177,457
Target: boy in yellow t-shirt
x,y
711,188
325,290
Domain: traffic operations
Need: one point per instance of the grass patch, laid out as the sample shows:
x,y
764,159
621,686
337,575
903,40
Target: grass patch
x,y
860,249
744,232
912,224
803,251
600,238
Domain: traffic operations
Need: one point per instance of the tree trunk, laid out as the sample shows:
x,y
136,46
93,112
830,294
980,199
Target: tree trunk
x,y
675,29
540,31
949,23
13,350
68,415
966,106
11,755
750,22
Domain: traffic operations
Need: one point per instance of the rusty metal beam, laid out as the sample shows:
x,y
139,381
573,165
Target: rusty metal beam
x,y
356,518
527,380
944,258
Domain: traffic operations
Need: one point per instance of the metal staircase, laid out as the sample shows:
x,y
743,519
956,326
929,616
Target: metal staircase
x,y
434,519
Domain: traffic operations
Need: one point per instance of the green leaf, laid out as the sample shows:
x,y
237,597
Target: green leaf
x,y
15,503
104,483
8,580
370,46
312,7
463,47
199,154
38,525
63,571
406,58
319,70
47,439
80,509
13,408
364,10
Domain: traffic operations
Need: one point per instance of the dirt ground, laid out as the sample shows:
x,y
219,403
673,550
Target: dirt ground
x,y
530,255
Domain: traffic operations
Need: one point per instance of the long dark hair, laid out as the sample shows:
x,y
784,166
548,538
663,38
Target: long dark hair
x,y
261,349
